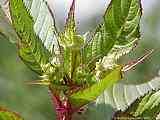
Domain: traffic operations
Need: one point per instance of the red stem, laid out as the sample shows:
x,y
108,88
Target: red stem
x,y
62,108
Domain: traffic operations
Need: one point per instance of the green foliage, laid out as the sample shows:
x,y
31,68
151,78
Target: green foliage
x,y
8,115
86,95
146,106
34,54
122,20
119,27
78,70
72,43
30,47
121,24
119,97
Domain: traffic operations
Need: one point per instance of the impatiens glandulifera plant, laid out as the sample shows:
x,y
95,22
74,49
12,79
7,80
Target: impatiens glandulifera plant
x,y
76,68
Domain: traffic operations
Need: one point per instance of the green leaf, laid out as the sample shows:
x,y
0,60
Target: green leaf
x,y
70,27
147,106
118,98
121,25
68,39
122,20
97,47
8,115
121,96
71,42
44,24
90,93
31,49
119,29
110,61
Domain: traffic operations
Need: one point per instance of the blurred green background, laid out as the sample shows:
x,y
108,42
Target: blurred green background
x,y
33,102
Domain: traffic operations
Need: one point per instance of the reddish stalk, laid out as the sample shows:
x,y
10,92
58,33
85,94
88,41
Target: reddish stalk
x,y
63,109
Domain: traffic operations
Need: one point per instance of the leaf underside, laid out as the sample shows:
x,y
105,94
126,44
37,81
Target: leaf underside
x,y
31,49
147,106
